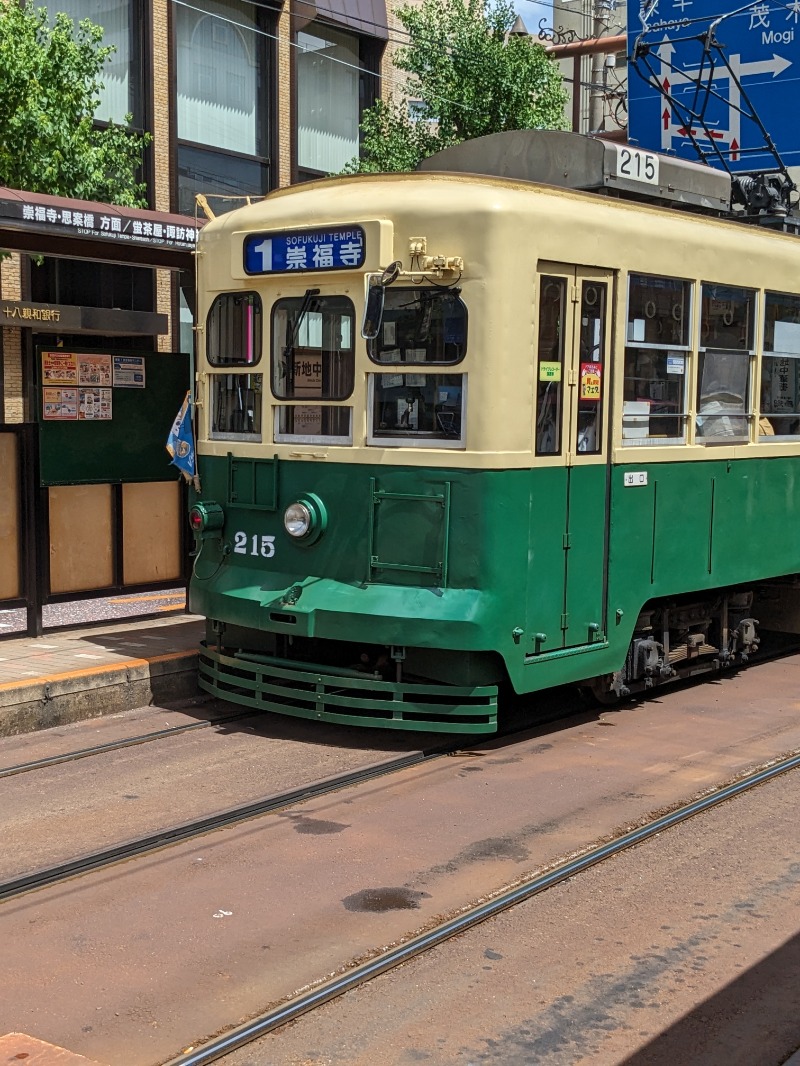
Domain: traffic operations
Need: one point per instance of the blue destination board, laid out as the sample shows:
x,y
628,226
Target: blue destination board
x,y
302,250
762,45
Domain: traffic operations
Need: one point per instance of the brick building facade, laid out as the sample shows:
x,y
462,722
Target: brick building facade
x,y
241,97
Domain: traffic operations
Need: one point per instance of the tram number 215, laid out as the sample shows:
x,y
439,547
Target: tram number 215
x,y
632,163
253,545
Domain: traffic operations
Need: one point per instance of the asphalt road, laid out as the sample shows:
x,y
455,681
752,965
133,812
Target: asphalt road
x,y
130,965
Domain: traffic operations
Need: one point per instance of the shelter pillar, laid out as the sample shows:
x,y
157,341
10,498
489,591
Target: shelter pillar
x,y
12,363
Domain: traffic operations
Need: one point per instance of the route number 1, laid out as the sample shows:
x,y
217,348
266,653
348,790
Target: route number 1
x,y
637,165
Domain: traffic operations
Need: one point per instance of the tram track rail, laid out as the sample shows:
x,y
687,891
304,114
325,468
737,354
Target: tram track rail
x,y
291,1009
118,745
161,734
164,838
176,834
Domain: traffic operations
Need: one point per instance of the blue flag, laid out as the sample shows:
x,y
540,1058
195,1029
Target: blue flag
x,y
180,442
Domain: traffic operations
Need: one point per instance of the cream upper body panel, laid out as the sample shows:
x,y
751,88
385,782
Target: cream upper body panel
x,y
503,230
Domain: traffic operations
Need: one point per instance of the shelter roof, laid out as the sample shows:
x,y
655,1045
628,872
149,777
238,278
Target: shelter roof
x,y
82,229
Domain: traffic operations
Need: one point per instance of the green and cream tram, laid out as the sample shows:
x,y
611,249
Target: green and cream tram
x,y
464,434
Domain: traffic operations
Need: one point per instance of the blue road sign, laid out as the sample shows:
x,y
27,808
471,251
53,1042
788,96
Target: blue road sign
x,y
303,250
761,43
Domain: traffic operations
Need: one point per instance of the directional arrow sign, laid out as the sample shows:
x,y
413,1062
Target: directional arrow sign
x,y
762,45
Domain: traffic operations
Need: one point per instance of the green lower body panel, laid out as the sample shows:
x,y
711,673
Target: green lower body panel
x,y
327,694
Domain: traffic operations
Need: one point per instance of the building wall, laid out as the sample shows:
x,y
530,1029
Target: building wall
x,y
160,110
284,108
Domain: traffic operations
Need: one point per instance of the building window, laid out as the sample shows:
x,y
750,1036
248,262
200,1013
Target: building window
x,y
92,283
335,82
121,20
222,107
218,174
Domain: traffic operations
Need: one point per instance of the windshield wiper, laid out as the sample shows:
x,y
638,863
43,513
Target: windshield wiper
x,y
308,296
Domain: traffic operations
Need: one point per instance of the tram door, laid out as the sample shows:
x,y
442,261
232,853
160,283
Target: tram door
x,y
573,389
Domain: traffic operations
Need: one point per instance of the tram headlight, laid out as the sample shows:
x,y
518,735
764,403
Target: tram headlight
x,y
297,520
305,519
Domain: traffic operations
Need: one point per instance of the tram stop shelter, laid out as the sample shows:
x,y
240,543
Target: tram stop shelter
x,y
92,298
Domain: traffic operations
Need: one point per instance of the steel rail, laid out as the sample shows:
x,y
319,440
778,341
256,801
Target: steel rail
x,y
337,986
199,827
117,745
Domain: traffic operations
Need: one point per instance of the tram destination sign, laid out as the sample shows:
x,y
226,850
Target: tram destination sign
x,y
305,250
761,42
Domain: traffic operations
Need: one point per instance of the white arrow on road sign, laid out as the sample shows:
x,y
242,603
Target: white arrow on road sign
x,y
774,66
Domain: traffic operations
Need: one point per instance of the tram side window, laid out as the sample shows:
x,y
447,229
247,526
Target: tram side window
x,y
421,325
236,406
727,318
780,369
550,363
656,361
417,410
234,329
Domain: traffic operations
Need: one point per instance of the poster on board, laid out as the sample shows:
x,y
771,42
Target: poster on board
x,y
59,405
129,372
59,368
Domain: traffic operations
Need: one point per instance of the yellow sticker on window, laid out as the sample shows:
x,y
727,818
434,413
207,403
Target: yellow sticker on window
x,y
549,371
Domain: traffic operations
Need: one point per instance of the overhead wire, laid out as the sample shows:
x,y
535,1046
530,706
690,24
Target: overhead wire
x,y
299,47
306,51
403,35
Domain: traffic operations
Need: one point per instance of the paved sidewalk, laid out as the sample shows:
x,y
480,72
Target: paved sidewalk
x,y
67,675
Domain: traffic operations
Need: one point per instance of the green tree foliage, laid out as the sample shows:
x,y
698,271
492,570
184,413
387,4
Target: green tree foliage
x,y
50,80
472,79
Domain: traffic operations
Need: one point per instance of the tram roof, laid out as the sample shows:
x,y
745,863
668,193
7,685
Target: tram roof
x,y
589,164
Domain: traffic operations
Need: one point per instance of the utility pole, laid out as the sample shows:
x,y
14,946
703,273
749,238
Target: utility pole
x,y
597,77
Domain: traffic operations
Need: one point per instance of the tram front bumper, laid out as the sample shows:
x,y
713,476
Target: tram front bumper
x,y
369,614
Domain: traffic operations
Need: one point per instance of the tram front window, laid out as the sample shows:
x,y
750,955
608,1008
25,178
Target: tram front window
x,y
236,406
312,347
417,409
313,359
420,326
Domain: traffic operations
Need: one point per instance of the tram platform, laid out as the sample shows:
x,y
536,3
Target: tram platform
x,y
104,668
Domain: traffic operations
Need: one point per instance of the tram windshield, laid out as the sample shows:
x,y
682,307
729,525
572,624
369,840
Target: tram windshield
x,y
312,347
421,325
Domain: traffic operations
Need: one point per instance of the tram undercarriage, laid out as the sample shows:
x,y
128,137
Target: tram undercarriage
x,y
681,637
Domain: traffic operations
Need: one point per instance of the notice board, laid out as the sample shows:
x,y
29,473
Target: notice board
x,y
104,416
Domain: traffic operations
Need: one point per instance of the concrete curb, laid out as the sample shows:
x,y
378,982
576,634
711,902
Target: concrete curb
x,y
96,691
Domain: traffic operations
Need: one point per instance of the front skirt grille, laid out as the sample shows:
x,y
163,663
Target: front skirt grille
x,y
306,690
